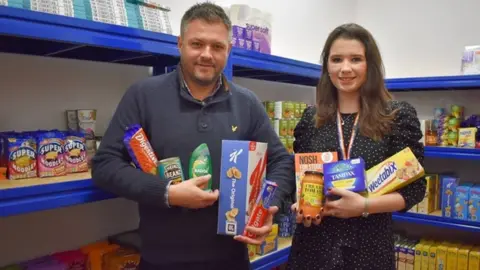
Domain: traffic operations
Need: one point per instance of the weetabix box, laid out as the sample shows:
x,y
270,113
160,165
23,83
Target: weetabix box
x,y
242,172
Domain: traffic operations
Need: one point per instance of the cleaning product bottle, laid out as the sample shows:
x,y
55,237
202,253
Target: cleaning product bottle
x,y
201,164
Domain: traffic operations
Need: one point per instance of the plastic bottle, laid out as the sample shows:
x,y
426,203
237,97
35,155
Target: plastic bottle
x,y
201,164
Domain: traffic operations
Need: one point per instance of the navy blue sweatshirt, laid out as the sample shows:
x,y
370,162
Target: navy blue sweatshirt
x,y
176,124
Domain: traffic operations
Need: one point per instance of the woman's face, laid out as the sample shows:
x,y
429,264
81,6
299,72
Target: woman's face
x,y
347,65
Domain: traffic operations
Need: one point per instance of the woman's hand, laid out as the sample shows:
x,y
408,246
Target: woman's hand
x,y
306,220
349,205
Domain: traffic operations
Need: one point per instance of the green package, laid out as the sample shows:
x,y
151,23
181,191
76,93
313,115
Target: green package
x,y
201,164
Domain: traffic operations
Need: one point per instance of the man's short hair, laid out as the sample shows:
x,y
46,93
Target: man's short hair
x,y
208,12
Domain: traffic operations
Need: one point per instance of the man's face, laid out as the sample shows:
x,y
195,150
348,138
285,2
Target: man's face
x,y
204,49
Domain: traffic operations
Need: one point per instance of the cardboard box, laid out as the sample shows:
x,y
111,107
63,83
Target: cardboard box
x,y
242,172
345,174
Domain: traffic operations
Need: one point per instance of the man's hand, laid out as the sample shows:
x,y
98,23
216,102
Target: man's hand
x,y
189,193
261,232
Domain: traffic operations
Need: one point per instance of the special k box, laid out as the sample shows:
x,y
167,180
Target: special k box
x,y
242,172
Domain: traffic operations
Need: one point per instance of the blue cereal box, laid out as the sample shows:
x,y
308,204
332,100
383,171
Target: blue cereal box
x,y
474,204
347,174
449,185
242,174
462,194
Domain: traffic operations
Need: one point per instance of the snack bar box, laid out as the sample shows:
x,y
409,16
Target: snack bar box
x,y
242,172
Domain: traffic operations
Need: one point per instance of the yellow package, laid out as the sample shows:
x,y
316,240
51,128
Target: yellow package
x,y
474,258
270,243
466,137
452,257
418,256
427,205
394,173
426,253
463,252
432,260
442,252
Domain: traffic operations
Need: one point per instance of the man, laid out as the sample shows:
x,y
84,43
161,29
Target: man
x,y
194,104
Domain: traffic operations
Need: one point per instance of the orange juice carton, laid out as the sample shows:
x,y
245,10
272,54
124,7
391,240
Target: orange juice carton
x,y
427,205
452,257
242,173
270,244
311,162
463,253
474,204
474,258
252,251
462,193
393,173
449,185
346,174
466,137
260,210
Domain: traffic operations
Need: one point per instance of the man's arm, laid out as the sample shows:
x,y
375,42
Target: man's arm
x,y
280,166
111,169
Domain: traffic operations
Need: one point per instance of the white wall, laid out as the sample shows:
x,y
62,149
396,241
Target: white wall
x,y
421,38
304,23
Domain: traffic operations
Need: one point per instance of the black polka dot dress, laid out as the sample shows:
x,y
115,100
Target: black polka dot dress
x,y
355,243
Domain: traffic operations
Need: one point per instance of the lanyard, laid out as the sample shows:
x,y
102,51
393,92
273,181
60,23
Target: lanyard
x,y
346,152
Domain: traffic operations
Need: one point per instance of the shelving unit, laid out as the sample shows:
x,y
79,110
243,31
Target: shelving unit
x,y
34,33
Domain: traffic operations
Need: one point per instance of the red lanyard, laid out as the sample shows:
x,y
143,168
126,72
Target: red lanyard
x,y
346,152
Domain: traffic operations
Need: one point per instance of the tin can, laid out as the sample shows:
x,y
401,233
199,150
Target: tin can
x,y
170,169
270,108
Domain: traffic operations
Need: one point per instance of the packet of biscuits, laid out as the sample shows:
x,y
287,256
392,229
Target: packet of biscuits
x,y
140,149
394,173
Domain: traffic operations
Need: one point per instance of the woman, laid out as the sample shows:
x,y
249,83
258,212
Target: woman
x,y
354,232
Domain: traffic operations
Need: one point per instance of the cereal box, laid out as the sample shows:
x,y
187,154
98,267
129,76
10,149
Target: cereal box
x,y
270,244
393,173
449,185
311,162
242,172
347,174
461,201
474,204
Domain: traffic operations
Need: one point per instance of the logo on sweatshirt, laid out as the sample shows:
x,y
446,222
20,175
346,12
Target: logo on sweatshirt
x,y
234,128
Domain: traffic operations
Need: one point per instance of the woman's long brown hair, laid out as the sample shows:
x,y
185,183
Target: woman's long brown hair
x,y
375,117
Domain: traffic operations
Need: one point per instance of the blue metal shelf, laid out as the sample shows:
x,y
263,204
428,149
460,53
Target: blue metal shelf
x,y
36,33
255,65
452,152
434,83
22,200
271,260
438,221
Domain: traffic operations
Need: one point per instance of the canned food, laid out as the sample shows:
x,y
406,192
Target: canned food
x,y
283,127
290,141
284,109
270,108
171,170
297,107
292,123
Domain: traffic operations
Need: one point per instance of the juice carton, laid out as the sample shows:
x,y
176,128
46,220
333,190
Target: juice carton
x,y
393,173
242,172
461,201
449,185
311,162
427,205
347,174
474,204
